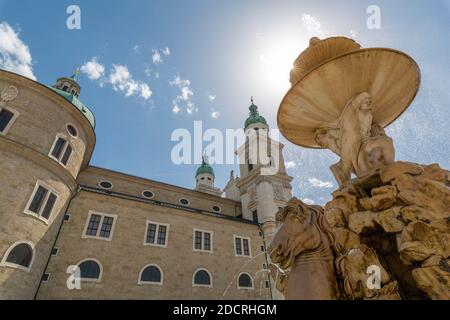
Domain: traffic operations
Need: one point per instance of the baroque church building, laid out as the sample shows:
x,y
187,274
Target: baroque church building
x,y
69,230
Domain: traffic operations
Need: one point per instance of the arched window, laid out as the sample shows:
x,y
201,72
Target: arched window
x,y
20,255
61,150
245,281
90,270
202,278
151,274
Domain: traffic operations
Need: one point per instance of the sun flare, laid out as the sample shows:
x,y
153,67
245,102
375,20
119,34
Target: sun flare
x,y
276,61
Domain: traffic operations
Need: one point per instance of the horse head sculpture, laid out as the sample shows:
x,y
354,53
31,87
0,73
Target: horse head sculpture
x,y
304,244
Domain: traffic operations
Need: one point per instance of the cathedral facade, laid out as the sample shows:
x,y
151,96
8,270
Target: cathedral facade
x,y
69,230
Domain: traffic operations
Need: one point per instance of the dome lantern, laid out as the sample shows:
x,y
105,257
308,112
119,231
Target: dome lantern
x,y
204,168
69,85
254,117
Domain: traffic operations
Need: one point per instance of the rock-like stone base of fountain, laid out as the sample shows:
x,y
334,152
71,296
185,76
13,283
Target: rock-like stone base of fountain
x,y
400,216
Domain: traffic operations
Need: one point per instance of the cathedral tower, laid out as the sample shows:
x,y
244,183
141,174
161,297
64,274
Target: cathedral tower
x,y
264,185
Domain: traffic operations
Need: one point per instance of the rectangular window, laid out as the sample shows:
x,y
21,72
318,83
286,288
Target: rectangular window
x,y
105,231
198,240
58,147
255,216
162,235
42,201
93,225
99,226
207,242
51,200
66,156
203,240
38,199
238,246
45,277
151,233
242,246
61,150
156,234
6,117
246,248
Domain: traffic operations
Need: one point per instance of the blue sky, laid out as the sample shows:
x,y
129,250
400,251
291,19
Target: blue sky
x,y
214,55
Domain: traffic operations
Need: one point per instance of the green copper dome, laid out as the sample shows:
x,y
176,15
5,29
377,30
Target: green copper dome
x,y
77,104
204,168
254,117
69,89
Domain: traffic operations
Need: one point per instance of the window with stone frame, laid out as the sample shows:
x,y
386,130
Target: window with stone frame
x,y
202,278
61,150
42,201
19,255
156,234
203,240
242,246
7,118
90,270
151,274
99,226
245,281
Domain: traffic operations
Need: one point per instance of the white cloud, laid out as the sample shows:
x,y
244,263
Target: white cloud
x,y
121,80
290,164
146,93
15,55
93,69
215,115
185,94
313,26
176,109
166,51
190,108
211,97
156,57
320,184
308,201
180,82
136,49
